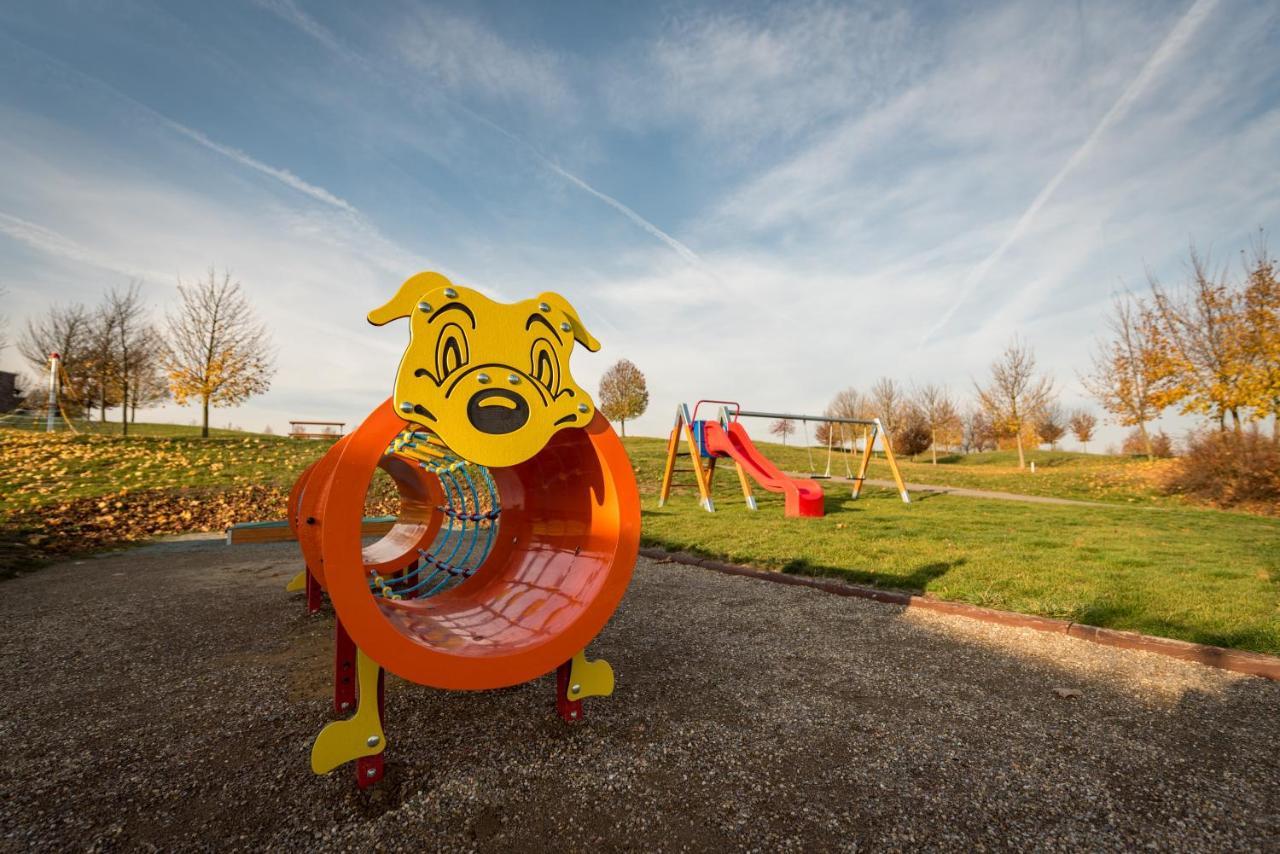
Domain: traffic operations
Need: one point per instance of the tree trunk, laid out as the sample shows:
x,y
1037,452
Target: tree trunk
x,y
623,422
204,425
124,410
933,446
1022,460
1146,441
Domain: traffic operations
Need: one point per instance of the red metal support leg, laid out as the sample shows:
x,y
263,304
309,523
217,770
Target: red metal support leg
x,y
314,594
570,711
344,670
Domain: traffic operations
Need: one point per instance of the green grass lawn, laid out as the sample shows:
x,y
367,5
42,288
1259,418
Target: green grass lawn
x,y
1202,575
1195,574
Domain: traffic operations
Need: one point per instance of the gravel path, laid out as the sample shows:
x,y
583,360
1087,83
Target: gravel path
x,y
166,697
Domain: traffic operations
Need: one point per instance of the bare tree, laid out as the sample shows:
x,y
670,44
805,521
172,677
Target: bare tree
x,y
623,393
979,434
887,403
1083,424
129,346
941,416
149,386
847,403
1051,425
783,427
1016,395
68,331
1132,374
218,352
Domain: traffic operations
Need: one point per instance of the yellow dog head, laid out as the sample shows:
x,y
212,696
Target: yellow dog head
x,y
490,379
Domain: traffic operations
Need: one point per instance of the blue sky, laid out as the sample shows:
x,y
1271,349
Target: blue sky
x,y
765,202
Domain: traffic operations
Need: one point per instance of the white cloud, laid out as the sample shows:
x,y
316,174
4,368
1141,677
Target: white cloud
x,y
746,80
469,59
51,242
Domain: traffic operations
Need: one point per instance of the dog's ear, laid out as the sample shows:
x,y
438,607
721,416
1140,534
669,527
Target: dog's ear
x,y
402,304
580,333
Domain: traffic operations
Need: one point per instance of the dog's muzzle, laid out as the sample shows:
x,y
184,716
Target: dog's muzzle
x,y
497,411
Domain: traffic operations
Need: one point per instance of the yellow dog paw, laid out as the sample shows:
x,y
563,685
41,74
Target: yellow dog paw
x,y
589,678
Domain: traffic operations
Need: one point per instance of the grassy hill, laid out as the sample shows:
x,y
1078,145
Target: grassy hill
x,y
91,427
1143,562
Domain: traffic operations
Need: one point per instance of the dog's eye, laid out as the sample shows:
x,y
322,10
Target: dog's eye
x,y
451,350
545,367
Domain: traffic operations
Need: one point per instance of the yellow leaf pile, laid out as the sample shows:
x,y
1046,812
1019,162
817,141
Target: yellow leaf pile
x,y
62,495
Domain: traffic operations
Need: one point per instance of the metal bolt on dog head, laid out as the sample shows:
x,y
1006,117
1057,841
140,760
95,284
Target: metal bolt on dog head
x,y
406,406
514,379
424,307
542,306
582,407
483,379
450,293
566,326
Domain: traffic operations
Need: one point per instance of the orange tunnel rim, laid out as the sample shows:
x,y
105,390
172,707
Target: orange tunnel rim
x,y
613,528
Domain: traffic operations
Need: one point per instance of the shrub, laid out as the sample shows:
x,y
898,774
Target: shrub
x,y
1161,445
911,434
1230,470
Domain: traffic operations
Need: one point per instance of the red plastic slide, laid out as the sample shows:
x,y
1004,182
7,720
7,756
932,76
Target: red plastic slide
x,y
803,497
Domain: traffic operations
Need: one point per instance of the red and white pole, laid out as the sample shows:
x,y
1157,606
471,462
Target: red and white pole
x,y
52,419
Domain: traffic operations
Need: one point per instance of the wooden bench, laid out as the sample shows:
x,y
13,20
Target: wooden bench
x,y
303,429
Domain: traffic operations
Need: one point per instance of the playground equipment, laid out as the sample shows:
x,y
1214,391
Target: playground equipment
x,y
518,527
709,440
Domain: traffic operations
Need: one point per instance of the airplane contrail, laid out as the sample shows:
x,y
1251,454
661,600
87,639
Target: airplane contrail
x,y
289,11
1162,56
284,176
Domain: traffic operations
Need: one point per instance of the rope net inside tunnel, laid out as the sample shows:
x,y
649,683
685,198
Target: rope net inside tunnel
x,y
471,509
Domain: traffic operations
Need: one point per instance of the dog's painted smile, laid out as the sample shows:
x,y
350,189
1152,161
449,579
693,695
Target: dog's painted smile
x,y
491,379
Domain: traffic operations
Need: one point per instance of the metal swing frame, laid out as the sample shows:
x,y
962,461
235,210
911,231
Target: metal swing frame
x,y
872,429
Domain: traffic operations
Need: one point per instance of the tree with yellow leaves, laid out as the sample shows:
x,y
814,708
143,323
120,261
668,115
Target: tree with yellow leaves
x,y
1133,376
1262,337
1206,343
218,353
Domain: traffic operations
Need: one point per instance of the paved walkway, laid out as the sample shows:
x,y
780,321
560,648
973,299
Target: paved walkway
x,y
966,492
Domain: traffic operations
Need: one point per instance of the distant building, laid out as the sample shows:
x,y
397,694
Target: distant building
x,y
9,397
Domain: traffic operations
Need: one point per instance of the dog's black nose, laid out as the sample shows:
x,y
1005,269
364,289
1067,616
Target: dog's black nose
x,y
497,410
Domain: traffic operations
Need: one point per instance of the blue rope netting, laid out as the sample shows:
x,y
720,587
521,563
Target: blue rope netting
x,y
471,509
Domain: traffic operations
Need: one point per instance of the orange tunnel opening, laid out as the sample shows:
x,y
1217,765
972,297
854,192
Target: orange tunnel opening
x,y
560,561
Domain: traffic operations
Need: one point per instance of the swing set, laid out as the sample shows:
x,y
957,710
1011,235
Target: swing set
x,y
871,430
709,440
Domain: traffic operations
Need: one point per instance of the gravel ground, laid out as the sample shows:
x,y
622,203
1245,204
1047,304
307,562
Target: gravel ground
x,y
167,697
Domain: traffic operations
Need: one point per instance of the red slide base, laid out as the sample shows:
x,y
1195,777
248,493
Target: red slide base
x,y
802,498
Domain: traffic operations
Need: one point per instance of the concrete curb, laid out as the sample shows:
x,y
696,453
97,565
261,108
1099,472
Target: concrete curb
x,y
1237,661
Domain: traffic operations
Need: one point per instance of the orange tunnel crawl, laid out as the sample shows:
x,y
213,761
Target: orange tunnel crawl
x,y
559,564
